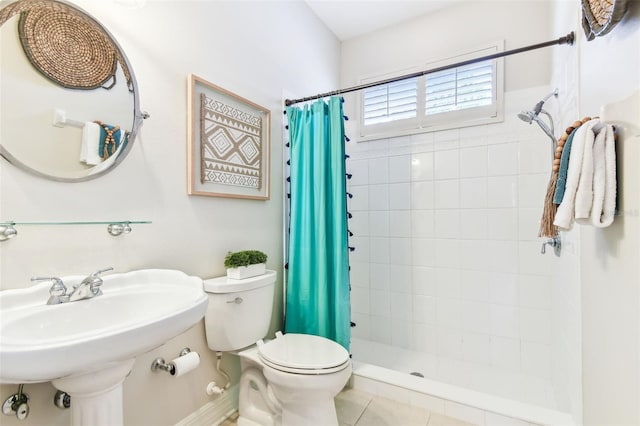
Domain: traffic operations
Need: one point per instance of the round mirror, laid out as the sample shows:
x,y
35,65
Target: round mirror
x,y
68,95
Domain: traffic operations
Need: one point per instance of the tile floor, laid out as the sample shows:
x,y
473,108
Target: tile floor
x,y
357,408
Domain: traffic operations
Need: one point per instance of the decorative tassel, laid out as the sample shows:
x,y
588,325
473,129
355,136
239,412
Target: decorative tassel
x,y
346,138
350,195
352,249
547,228
346,118
349,175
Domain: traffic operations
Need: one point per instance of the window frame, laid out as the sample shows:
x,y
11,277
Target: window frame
x,y
423,123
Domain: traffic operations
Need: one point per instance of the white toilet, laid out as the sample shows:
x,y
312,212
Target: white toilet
x,y
290,380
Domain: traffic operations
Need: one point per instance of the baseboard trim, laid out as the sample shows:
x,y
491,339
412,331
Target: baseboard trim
x,y
215,412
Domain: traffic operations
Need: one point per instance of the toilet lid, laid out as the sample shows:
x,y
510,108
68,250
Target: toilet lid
x,y
293,351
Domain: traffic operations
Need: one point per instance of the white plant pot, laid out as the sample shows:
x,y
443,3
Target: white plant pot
x,y
243,272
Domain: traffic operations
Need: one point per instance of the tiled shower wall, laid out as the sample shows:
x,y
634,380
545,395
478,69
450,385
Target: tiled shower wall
x,y
447,259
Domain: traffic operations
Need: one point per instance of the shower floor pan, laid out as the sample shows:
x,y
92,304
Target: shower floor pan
x,y
471,392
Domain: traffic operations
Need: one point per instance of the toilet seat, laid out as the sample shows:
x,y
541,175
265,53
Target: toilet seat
x,y
303,354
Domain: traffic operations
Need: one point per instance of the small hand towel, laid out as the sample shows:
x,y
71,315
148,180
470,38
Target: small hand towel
x,y
562,172
90,143
584,192
604,179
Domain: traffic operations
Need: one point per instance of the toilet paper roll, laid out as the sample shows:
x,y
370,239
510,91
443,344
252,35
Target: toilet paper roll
x,y
185,363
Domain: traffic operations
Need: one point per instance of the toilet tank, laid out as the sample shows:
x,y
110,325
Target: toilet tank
x,y
239,311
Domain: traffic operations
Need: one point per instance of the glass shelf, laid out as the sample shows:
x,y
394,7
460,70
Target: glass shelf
x,y
101,222
114,227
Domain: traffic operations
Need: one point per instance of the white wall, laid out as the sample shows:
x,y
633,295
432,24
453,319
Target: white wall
x,y
607,70
255,49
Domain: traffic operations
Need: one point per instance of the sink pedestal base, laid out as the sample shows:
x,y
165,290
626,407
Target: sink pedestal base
x,y
96,397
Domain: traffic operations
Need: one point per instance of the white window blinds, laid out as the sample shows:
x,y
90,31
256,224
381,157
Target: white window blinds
x,y
390,102
459,88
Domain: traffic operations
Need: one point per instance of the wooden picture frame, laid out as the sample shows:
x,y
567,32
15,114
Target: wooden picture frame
x,y
228,143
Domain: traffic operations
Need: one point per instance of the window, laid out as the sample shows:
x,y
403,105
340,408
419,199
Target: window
x,y
457,97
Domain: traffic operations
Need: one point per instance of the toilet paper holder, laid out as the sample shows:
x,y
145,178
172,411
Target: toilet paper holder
x,y
169,367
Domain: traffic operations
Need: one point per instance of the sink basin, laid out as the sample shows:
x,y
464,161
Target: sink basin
x,y
137,312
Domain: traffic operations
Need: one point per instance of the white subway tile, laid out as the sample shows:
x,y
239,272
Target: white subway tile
x,y
446,164
473,162
401,333
476,347
400,168
379,170
449,343
447,253
504,256
474,254
400,251
423,223
536,359
378,223
535,156
400,196
424,282
424,251
379,197
502,191
422,166
447,194
505,321
476,317
473,193
449,313
473,224
380,303
379,276
379,250
505,352
448,283
502,159
535,291
422,195
532,189
401,306
381,329
503,224
447,223
504,288
401,276
535,325
425,338
475,285
424,309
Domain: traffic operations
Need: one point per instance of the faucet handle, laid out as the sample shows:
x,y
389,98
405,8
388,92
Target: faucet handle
x,y
101,271
57,291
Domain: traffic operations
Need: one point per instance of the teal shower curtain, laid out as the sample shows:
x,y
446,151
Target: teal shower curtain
x,y
317,295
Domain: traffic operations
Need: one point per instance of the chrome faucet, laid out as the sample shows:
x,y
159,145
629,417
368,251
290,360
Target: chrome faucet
x,y
57,292
88,287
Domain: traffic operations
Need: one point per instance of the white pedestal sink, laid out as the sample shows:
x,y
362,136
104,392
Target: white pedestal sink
x,y
87,348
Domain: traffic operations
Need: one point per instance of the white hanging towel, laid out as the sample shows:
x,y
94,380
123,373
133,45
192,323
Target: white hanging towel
x,y
90,144
604,179
590,193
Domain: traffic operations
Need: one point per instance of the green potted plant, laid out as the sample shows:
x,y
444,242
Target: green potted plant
x,y
245,264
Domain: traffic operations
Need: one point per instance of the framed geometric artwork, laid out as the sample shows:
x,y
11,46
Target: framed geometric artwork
x,y
228,143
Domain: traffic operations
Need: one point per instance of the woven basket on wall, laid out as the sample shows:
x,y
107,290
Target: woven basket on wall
x,y
600,16
65,45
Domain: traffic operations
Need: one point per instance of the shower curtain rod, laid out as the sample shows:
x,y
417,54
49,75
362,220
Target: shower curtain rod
x,y
568,39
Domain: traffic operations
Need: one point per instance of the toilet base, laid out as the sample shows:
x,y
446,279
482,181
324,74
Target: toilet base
x,y
310,414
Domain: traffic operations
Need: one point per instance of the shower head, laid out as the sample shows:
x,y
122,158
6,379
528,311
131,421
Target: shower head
x,y
534,115
529,116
